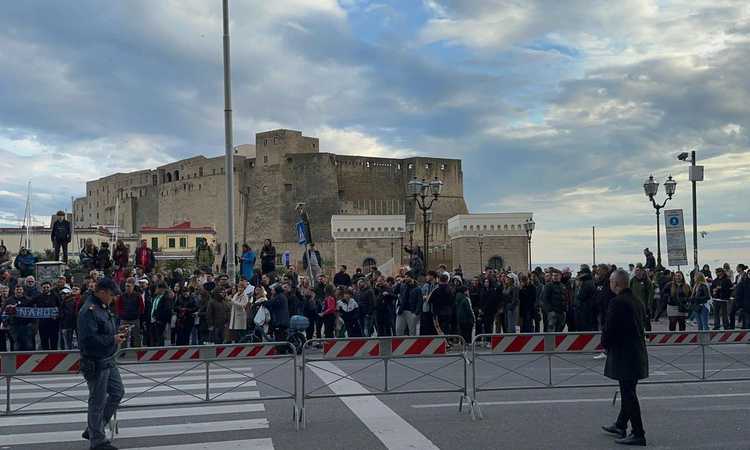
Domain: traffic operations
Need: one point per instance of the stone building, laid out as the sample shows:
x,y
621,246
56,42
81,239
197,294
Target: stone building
x,y
282,169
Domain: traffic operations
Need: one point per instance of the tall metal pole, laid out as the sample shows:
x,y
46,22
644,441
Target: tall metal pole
x,y
229,156
593,244
695,215
426,239
529,252
658,239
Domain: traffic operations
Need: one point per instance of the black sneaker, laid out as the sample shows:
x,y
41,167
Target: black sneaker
x,y
85,434
614,429
632,440
104,446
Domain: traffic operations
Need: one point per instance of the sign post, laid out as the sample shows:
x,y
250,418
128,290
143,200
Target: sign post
x,y
676,247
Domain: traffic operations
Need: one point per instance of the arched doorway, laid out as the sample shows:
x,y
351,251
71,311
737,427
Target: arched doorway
x,y
496,262
368,264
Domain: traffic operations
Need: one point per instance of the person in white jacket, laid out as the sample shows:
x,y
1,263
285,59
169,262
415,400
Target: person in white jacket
x,y
238,319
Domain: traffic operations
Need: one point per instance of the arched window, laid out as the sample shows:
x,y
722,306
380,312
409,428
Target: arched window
x,y
169,177
496,262
177,175
368,264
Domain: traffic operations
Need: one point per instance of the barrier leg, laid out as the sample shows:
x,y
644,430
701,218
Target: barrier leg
x,y
7,395
476,410
208,387
549,368
302,414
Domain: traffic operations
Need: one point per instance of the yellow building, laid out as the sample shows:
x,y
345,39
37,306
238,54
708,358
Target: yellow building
x,y
178,241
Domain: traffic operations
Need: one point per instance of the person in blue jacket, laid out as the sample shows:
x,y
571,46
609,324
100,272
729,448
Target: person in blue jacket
x,y
248,262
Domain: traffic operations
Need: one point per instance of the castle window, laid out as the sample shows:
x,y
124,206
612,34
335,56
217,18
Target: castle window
x,y
410,166
169,177
200,171
313,145
265,142
442,166
171,243
367,164
176,175
222,170
275,140
265,159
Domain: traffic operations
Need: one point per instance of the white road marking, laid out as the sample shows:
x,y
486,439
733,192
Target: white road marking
x,y
137,401
254,444
129,414
42,393
392,430
582,400
55,437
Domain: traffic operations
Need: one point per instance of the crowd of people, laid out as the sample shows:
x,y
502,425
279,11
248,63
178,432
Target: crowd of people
x,y
181,308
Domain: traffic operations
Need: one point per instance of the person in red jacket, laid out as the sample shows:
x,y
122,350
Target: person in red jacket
x,y
129,307
144,257
329,312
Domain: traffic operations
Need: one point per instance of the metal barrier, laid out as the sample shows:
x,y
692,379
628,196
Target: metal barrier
x,y
317,354
564,347
25,366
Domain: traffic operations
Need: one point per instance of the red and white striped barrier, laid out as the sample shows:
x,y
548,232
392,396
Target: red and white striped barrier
x,y
418,346
572,343
730,337
160,354
522,343
358,348
656,339
38,363
242,351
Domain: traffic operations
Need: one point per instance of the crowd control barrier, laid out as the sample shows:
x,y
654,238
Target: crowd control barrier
x,y
502,362
371,362
27,367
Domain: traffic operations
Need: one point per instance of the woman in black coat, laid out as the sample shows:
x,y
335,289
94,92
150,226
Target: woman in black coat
x,y
268,257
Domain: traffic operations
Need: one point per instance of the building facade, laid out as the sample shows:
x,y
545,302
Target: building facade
x,y
282,169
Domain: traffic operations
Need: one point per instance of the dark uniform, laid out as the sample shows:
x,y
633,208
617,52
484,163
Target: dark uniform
x,y
96,335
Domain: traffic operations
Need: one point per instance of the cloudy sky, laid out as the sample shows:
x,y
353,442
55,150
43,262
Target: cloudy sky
x,y
561,108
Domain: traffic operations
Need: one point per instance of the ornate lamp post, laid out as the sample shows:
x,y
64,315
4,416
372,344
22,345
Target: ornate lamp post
x,y
481,257
425,193
528,227
651,188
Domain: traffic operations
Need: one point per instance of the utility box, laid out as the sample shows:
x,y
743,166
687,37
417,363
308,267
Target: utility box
x,y
696,173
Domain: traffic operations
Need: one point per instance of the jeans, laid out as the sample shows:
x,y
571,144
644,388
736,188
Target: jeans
x,y
64,245
555,322
630,409
720,312
366,324
157,338
702,316
135,333
5,337
49,332
195,335
510,320
407,320
105,392
733,307
217,335
23,336
67,335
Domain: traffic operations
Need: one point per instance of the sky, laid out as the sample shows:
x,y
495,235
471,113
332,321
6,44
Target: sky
x,y
560,108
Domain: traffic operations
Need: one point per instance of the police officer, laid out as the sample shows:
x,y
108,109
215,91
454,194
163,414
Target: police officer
x,y
98,341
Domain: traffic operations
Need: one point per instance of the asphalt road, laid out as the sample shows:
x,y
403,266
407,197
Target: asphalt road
x,y
680,415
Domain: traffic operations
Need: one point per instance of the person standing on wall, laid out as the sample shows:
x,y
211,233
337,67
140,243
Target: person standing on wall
x,y
99,339
623,339
60,235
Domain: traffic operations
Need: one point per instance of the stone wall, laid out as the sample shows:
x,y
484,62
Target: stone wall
x,y
512,250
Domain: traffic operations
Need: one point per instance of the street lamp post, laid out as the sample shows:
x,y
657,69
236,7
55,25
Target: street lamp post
x,y
651,188
696,174
425,193
528,226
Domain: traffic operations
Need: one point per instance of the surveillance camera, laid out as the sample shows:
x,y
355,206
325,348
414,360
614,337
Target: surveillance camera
x,y
683,156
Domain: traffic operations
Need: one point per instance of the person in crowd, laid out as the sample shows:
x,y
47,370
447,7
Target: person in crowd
x,y
406,305
238,318
721,289
120,256
60,234
349,311
25,262
4,255
247,261
261,314
342,278
585,300
366,300
49,328
103,261
527,304
21,328
627,358
426,318
186,305
312,306
511,297
699,297
217,315
204,256
742,295
88,254
312,261
650,260
144,257
68,317
268,257
160,314
384,310
129,307
279,308
553,300
734,308
643,291
328,313
464,315
358,275
443,304
678,301
6,341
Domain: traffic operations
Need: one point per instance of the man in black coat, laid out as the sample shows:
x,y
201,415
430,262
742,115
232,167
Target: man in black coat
x,y
60,235
627,359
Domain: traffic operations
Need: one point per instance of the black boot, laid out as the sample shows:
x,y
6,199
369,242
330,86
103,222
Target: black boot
x,y
632,440
614,429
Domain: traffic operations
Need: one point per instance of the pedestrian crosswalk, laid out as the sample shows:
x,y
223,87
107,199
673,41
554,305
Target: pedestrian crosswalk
x,y
160,418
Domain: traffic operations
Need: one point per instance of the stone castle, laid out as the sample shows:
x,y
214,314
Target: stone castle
x,y
282,169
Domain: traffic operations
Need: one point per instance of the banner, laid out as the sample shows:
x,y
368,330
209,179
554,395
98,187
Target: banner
x,y
675,228
36,313
301,233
